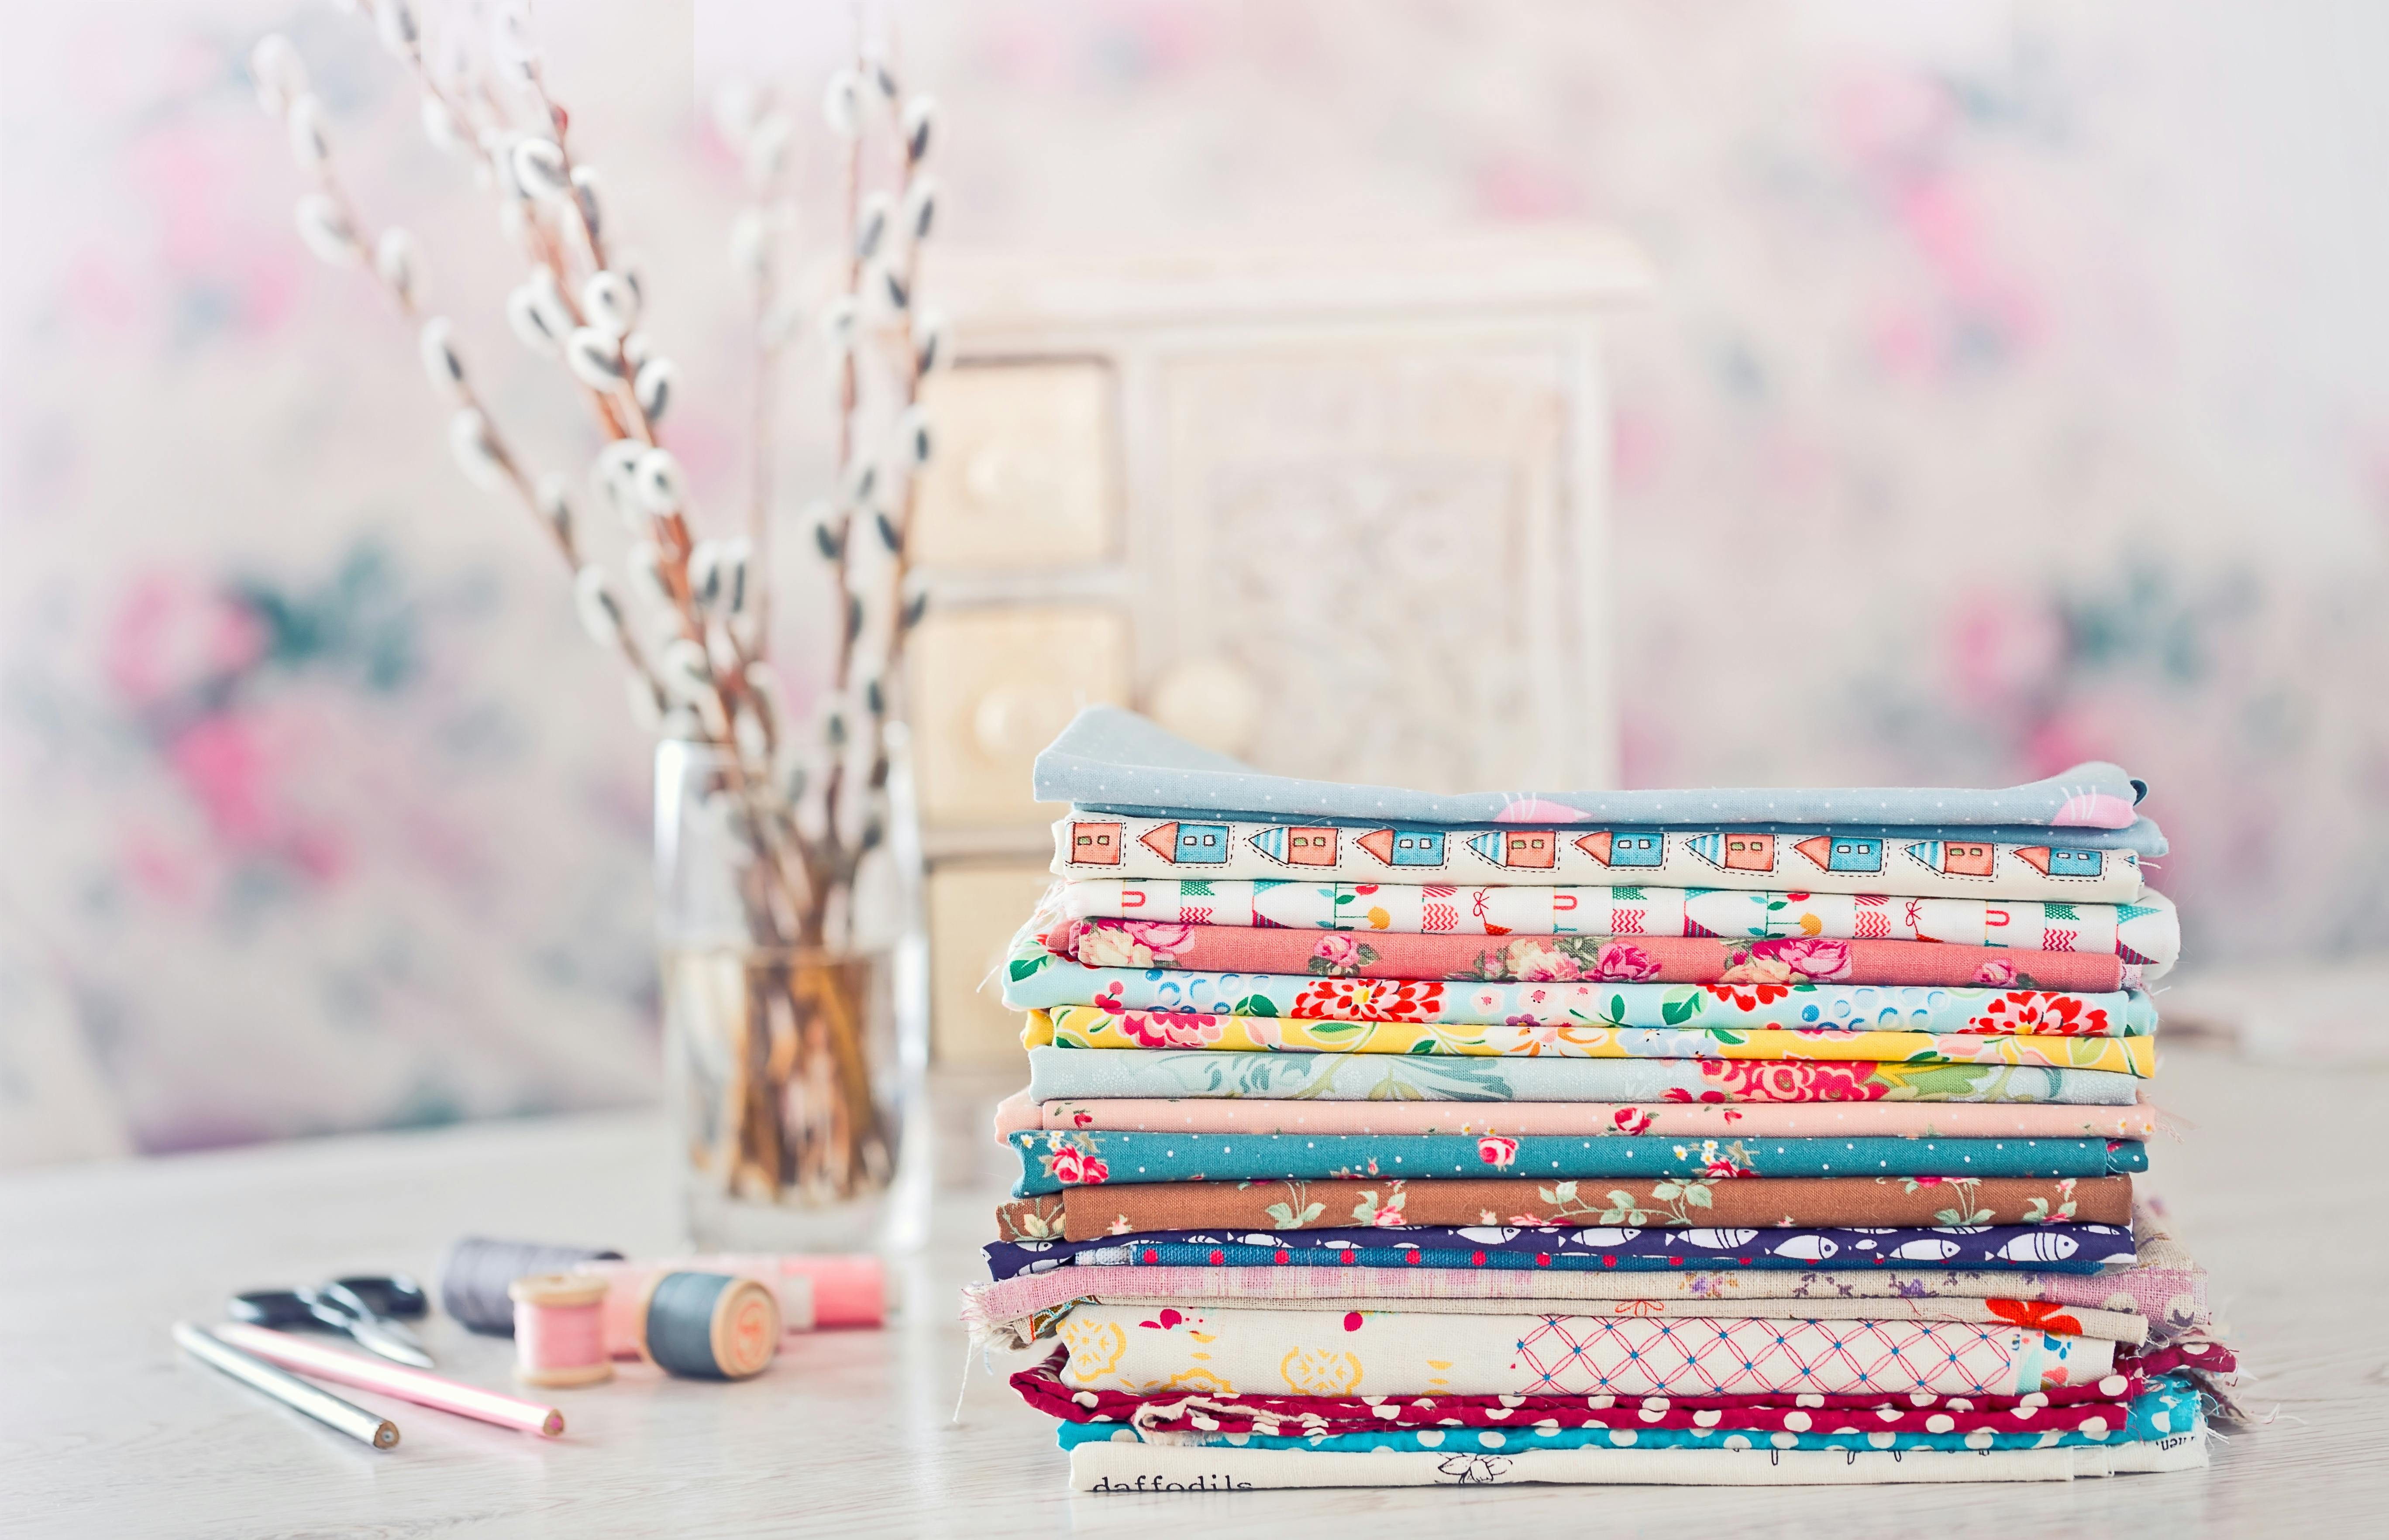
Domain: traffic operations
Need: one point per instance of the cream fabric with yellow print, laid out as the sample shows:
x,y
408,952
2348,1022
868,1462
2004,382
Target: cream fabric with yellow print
x,y
1318,1371
1098,1346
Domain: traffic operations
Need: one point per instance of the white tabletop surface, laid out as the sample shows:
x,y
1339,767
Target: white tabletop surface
x,y
104,1431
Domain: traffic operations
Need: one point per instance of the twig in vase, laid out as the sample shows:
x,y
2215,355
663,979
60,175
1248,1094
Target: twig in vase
x,y
693,630
876,311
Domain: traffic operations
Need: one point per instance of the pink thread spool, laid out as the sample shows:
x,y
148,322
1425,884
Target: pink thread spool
x,y
847,1290
560,1329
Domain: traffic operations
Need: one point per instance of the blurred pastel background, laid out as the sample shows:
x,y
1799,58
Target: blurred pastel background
x,y
2010,394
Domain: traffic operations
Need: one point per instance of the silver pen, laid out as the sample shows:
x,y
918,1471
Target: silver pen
x,y
346,1416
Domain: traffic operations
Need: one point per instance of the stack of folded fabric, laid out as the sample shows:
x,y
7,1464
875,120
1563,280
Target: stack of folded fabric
x,y
1732,1137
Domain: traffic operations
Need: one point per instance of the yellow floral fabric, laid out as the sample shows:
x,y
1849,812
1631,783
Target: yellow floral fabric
x,y
1095,1027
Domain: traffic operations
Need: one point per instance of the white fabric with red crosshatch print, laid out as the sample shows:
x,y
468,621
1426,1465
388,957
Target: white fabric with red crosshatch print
x,y
1393,1353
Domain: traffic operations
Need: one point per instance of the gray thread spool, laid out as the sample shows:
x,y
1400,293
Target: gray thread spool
x,y
709,1326
478,1271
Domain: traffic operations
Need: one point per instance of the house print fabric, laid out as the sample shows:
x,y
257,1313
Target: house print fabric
x,y
1107,756
1089,843
1052,1161
1720,1211
1652,960
1020,1113
1395,1353
2147,934
2020,1248
1061,1073
1078,1026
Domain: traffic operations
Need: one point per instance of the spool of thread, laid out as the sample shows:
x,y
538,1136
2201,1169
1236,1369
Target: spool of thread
x,y
814,1291
847,1290
709,1326
627,1284
474,1276
559,1329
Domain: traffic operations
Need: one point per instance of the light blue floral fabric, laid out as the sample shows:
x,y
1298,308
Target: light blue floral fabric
x,y
1037,980
1062,1073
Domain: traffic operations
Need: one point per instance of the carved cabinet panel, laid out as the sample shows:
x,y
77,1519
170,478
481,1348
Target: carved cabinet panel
x,y
1376,539
1341,514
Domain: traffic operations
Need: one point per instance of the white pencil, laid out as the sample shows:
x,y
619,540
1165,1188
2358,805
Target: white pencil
x,y
346,1416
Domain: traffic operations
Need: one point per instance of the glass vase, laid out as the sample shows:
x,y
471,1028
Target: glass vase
x,y
793,1062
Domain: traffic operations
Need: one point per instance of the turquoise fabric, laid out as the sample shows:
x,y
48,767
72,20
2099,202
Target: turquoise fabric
x,y
2166,1409
1180,1157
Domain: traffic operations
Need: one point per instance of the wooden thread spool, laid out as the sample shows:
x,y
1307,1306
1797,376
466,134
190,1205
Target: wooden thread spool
x,y
709,1326
559,1329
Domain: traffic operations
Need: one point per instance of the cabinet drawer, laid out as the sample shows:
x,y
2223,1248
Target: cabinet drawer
x,y
1024,475
992,687
974,913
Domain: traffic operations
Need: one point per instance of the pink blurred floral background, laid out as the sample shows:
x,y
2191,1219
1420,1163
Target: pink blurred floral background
x,y
2013,395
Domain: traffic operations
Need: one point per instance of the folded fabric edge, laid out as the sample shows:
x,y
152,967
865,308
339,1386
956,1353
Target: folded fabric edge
x,y
1023,1112
1118,1468
1108,754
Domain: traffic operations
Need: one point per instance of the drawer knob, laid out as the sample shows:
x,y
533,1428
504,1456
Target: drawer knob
x,y
999,479
1014,721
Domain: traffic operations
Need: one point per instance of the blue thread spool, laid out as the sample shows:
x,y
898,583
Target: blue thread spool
x,y
709,1326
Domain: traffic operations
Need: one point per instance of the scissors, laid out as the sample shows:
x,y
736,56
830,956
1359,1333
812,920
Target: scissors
x,y
366,1308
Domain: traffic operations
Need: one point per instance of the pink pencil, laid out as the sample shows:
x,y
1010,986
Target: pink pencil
x,y
408,1384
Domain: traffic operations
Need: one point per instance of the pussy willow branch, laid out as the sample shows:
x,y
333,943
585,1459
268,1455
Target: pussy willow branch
x,y
583,303
710,660
873,78
759,447
850,395
892,673
622,416
328,182
640,426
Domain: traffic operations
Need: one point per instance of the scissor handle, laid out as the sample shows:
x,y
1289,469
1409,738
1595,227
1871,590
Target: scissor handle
x,y
339,1304
271,1308
386,1293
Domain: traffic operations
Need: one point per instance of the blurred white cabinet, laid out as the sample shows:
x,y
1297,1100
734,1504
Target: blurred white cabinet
x,y
1343,513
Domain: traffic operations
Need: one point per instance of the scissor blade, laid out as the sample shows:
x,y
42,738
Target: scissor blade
x,y
391,1341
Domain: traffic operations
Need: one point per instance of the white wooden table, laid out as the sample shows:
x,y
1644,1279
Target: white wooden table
x,y
104,1432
